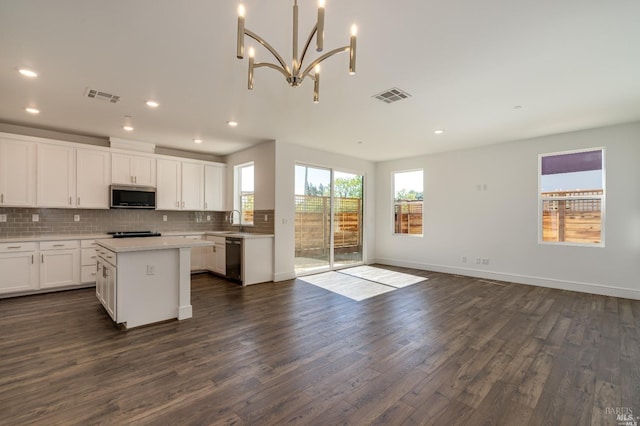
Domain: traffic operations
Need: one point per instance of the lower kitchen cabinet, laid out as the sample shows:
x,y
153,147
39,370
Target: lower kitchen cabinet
x,y
88,256
106,286
216,255
198,255
59,263
18,267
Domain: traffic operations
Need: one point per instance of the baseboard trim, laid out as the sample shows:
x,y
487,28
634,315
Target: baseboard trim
x,y
581,287
284,276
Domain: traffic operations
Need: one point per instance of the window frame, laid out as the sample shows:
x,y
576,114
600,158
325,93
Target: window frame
x,y
238,194
601,197
393,203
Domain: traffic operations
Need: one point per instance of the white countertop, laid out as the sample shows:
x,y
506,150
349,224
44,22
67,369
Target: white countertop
x,y
66,237
121,245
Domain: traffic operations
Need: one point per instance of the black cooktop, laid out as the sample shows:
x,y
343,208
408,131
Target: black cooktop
x,y
134,234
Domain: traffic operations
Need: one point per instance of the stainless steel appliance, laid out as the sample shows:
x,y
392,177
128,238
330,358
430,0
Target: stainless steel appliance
x,y
234,258
133,197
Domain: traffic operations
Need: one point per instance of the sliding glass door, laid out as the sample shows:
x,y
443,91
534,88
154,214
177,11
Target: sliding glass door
x,y
328,220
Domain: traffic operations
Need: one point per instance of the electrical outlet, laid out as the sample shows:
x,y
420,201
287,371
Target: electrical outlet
x,y
151,270
3,217
266,218
478,261
164,218
35,218
76,218
464,259
208,218
485,261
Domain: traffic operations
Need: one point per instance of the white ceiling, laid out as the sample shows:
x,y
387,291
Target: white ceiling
x,y
569,64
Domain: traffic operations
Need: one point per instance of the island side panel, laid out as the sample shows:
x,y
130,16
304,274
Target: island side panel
x,y
148,286
184,303
257,260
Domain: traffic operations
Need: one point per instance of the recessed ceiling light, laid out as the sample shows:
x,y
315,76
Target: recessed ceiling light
x,y
438,131
28,73
359,142
153,104
32,110
517,107
197,140
232,123
127,126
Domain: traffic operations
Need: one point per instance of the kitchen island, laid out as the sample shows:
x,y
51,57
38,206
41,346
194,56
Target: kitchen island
x,y
145,280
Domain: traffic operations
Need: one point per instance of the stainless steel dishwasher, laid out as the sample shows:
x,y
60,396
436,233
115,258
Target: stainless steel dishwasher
x,y
234,258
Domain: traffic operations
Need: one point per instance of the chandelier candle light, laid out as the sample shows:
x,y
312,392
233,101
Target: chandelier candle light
x,y
295,74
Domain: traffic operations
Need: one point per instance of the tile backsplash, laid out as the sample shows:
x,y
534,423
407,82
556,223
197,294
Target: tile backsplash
x,y
61,221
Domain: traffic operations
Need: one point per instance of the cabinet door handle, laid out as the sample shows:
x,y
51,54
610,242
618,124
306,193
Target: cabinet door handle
x,y
14,247
32,259
178,204
70,200
78,200
131,179
183,204
135,179
205,205
58,245
42,258
2,198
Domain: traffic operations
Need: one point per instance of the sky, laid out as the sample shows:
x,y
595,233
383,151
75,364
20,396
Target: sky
x,y
316,176
571,181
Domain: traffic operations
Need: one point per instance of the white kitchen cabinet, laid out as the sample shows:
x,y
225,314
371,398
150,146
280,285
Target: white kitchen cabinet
x,y
18,267
192,186
59,263
106,286
198,255
93,177
168,189
217,255
180,185
88,258
17,173
56,176
214,187
133,169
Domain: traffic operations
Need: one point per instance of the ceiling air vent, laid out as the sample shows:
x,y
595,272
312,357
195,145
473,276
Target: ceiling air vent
x,y
392,95
103,96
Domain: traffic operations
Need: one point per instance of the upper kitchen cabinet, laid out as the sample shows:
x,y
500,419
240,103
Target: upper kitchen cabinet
x,y
17,173
93,177
180,185
214,185
133,169
56,176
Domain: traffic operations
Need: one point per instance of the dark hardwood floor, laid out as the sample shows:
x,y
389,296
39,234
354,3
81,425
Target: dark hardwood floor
x,y
451,350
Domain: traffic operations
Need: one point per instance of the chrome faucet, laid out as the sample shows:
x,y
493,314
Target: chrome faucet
x,y
231,217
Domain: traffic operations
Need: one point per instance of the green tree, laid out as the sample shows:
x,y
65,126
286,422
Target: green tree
x,y
348,188
404,195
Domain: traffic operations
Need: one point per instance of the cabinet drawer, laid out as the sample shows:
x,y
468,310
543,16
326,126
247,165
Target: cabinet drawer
x,y
88,244
106,254
88,257
59,245
17,247
216,240
88,274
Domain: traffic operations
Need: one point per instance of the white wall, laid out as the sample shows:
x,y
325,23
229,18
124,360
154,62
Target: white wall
x,y
263,156
287,155
501,223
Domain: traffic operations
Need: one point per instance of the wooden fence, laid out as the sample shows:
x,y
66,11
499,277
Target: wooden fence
x,y
570,216
313,225
408,217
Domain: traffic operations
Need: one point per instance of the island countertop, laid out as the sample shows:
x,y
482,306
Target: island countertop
x,y
121,245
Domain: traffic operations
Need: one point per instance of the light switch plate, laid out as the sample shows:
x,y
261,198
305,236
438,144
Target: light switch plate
x,y
164,218
35,218
3,217
76,218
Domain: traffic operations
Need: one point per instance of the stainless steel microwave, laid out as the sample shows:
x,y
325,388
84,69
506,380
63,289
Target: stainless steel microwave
x,y
133,197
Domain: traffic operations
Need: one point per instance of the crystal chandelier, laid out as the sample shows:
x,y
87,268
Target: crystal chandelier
x,y
295,74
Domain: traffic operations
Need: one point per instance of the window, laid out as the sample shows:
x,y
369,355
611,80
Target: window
x,y
243,190
572,197
407,202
